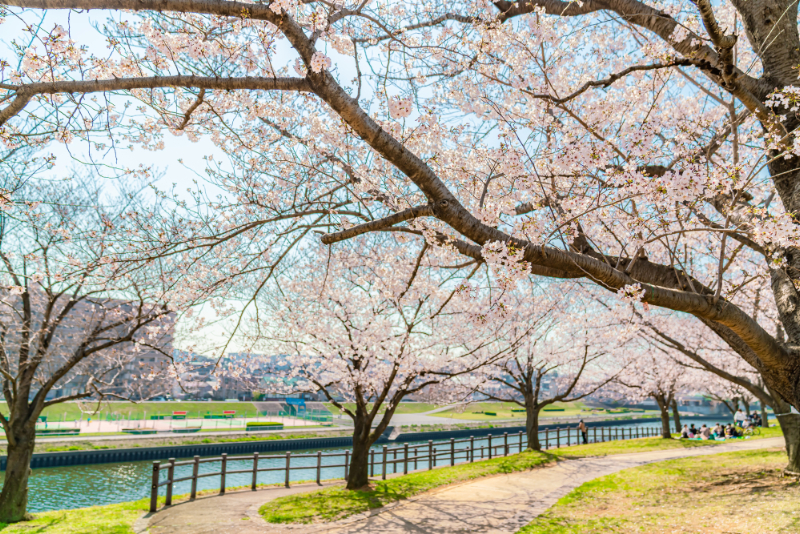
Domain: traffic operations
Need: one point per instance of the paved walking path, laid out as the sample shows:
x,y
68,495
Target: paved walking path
x,y
491,505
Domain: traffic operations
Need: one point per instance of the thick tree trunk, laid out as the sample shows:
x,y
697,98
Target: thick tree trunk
x,y
358,477
746,406
14,497
532,426
764,416
676,416
790,425
664,407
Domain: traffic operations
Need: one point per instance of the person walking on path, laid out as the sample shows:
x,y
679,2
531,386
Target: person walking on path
x,y
584,432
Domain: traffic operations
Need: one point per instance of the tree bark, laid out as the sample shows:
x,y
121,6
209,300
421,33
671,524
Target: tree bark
x,y
676,416
14,497
664,407
746,406
532,425
790,426
358,477
764,416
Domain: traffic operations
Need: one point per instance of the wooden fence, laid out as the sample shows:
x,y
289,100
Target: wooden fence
x,y
388,460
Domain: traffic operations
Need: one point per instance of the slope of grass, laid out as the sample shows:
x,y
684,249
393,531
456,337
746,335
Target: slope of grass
x,y
71,411
404,408
503,410
110,519
742,492
334,503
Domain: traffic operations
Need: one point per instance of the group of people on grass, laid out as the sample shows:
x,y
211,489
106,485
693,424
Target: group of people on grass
x,y
740,423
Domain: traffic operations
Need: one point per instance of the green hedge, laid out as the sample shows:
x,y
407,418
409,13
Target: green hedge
x,y
265,424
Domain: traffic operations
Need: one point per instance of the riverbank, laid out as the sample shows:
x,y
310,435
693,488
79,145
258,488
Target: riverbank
x,y
88,443
120,518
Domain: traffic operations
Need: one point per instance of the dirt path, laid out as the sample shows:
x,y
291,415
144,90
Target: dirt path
x,y
498,504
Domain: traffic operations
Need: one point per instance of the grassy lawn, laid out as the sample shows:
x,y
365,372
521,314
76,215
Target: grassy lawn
x,y
334,503
111,519
741,492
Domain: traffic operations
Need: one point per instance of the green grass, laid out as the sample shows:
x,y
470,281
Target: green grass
x,y
110,519
334,503
475,411
732,492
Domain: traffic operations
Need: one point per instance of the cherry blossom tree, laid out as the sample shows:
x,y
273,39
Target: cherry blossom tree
x,y
72,320
559,360
361,330
647,373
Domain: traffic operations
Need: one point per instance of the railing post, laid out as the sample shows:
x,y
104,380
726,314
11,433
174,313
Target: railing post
x,y
452,452
195,472
594,434
434,457
394,461
416,454
471,449
405,458
520,441
170,477
505,444
371,463
288,468
385,455
546,438
347,464
222,473
319,466
490,446
255,472
430,455
154,487
558,437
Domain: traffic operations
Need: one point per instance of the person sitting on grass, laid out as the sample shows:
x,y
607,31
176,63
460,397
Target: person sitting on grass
x,y
757,420
685,432
705,432
730,432
718,431
739,417
692,430
746,423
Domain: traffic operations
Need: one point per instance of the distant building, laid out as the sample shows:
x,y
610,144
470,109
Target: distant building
x,y
126,370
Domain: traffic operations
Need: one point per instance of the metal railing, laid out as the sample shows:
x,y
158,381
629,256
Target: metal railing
x,y
430,455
